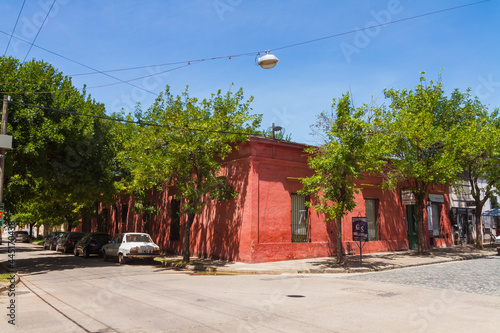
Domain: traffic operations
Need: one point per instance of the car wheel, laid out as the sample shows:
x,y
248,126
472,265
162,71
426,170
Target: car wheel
x,y
122,259
75,252
85,253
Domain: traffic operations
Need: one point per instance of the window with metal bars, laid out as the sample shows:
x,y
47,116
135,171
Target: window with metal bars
x,y
300,227
124,214
175,226
371,216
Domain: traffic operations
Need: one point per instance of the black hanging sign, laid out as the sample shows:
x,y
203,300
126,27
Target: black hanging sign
x,y
359,229
360,233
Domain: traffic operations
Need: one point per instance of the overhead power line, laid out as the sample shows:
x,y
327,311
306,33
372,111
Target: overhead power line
x,y
186,128
378,25
189,62
76,62
290,45
39,29
14,29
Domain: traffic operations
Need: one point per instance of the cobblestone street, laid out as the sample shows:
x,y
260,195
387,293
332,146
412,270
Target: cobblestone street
x,y
478,276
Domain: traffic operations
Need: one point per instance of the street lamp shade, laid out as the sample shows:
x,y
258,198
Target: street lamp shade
x,y
268,61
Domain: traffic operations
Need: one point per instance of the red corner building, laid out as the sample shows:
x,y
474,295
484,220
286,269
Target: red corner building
x,y
269,221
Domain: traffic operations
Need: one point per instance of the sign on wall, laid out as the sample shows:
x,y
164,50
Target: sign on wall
x,y
408,198
436,197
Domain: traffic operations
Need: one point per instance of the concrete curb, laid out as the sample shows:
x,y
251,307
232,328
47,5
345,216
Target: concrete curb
x,y
211,269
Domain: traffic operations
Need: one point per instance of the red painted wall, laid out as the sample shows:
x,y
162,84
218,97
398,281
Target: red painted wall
x,y
256,226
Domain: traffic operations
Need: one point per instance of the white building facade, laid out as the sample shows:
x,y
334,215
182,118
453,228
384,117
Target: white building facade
x,y
463,213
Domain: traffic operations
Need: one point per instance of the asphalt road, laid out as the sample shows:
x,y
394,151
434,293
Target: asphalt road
x,y
59,292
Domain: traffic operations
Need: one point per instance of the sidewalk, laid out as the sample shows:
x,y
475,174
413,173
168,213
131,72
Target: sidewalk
x,y
370,262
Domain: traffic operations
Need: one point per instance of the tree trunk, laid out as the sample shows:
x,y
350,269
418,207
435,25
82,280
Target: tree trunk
x,y
116,219
479,227
31,229
187,235
419,207
69,223
340,254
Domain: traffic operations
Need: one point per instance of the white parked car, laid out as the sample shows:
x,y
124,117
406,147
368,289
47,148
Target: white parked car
x,y
497,244
130,245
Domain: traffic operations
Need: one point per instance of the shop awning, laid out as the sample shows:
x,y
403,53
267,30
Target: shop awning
x,y
492,212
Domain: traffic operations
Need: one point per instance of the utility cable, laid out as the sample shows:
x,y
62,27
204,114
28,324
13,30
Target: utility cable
x,y
378,25
170,64
238,55
15,25
293,45
78,63
136,122
39,29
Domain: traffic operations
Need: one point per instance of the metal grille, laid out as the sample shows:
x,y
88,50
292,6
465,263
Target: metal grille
x,y
175,226
371,214
300,230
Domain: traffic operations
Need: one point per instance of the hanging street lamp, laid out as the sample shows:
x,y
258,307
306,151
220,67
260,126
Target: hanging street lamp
x,y
267,61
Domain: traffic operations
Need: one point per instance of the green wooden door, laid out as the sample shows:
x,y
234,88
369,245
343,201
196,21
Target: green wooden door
x,y
411,221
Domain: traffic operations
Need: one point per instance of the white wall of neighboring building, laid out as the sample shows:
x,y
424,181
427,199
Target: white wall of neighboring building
x,y
461,201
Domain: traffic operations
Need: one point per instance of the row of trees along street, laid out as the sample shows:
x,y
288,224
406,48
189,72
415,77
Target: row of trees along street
x,y
62,164
422,137
69,155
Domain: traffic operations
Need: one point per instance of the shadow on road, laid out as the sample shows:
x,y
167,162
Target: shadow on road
x,y
32,259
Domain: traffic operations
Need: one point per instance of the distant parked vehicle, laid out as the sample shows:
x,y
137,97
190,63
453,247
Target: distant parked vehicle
x,y
21,236
51,240
67,243
91,243
130,246
57,238
497,244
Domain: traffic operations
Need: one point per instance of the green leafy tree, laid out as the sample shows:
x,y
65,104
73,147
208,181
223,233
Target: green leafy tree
x,y
411,136
59,161
474,136
187,147
338,163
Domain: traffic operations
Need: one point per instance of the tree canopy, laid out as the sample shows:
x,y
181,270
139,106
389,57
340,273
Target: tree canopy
x,y
60,163
413,137
338,163
420,139
186,146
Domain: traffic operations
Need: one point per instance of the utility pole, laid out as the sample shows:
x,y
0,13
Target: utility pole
x,y
3,131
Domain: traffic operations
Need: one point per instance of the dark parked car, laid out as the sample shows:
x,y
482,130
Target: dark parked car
x,y
51,240
91,243
67,243
22,236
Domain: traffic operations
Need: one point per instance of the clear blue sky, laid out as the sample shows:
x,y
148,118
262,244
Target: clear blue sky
x,y
107,35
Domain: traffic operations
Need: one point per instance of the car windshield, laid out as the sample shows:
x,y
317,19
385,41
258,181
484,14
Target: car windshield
x,y
138,238
75,236
101,238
